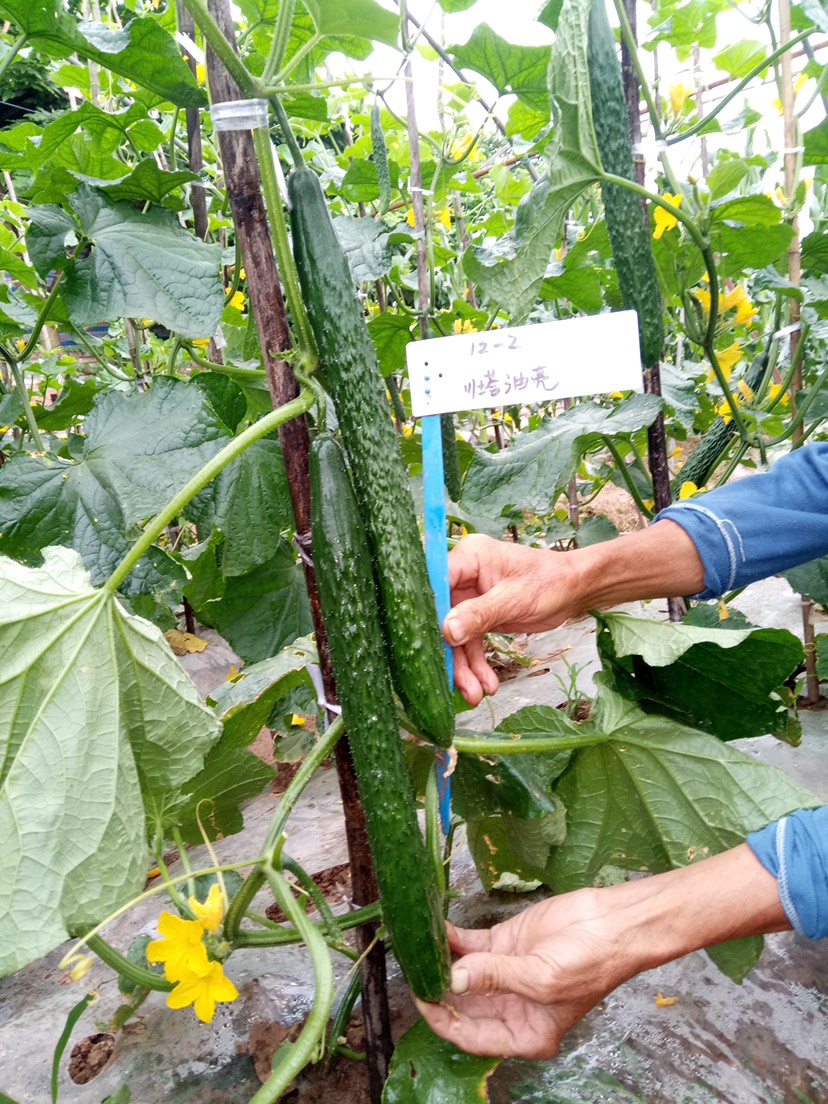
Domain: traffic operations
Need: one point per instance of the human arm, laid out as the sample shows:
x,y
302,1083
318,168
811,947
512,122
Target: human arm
x,y
518,987
503,587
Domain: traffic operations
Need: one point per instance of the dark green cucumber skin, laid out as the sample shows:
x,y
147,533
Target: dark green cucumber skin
x,y
705,457
629,232
451,461
350,364
411,903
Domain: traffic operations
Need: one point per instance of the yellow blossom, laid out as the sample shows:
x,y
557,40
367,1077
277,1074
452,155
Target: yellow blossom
x,y
800,82
777,104
408,430
465,327
242,274
237,300
444,217
180,948
298,720
210,912
728,357
462,147
558,254
678,96
203,990
410,218
745,389
200,73
663,219
738,297
687,490
201,342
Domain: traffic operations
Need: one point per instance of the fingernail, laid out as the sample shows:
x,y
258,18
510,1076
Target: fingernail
x,y
460,979
453,630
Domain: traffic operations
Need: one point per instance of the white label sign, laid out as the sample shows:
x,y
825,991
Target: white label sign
x,y
525,364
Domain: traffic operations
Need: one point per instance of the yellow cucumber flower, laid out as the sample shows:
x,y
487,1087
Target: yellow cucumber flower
x,y
663,219
238,300
678,96
203,991
728,357
211,911
180,948
444,217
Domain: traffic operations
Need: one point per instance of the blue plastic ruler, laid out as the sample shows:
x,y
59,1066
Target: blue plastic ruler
x,y
510,367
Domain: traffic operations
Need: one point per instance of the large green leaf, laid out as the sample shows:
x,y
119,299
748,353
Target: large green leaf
x,y
142,52
538,466
148,182
139,450
728,682
249,502
811,580
94,710
244,705
262,611
366,246
520,70
512,853
141,265
652,795
391,333
511,271
426,1069
816,144
359,18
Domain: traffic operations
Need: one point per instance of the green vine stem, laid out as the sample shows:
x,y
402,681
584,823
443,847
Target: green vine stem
x,y
287,130
312,1034
314,893
20,384
281,244
256,879
621,467
303,51
43,315
230,370
527,745
279,42
248,84
743,83
300,405
320,751
339,1023
129,970
277,935
15,49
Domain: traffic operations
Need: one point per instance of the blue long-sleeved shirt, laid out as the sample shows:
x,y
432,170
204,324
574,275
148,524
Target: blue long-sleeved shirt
x,y
743,532
762,524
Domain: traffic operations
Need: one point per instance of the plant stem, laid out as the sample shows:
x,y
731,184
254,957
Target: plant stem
x,y
743,83
16,47
277,935
20,384
621,468
313,1032
40,321
321,750
130,970
300,405
231,370
287,130
301,53
279,42
248,84
281,245
527,745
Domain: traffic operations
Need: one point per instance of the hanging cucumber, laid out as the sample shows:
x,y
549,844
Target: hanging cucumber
x,y
380,153
451,461
410,898
629,231
350,364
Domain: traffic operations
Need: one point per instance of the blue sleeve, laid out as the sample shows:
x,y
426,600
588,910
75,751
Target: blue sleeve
x,y
795,851
760,525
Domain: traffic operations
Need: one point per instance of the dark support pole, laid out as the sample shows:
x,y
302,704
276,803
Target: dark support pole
x,y
656,436
250,219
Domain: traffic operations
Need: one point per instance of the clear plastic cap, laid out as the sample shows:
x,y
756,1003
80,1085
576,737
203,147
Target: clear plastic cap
x,y
239,114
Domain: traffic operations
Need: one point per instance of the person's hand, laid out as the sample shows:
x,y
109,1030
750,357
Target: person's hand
x,y
521,985
501,587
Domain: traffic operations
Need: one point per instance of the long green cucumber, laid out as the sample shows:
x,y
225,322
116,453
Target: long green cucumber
x,y
350,364
409,895
629,231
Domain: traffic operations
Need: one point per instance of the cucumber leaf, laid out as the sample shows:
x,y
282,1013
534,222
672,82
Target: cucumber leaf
x,y
651,794
725,681
99,729
425,1068
535,472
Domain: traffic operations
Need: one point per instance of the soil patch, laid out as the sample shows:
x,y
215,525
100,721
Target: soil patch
x,y
90,1055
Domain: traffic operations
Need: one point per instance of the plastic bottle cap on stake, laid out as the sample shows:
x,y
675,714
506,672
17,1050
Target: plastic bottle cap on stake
x,y
239,114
